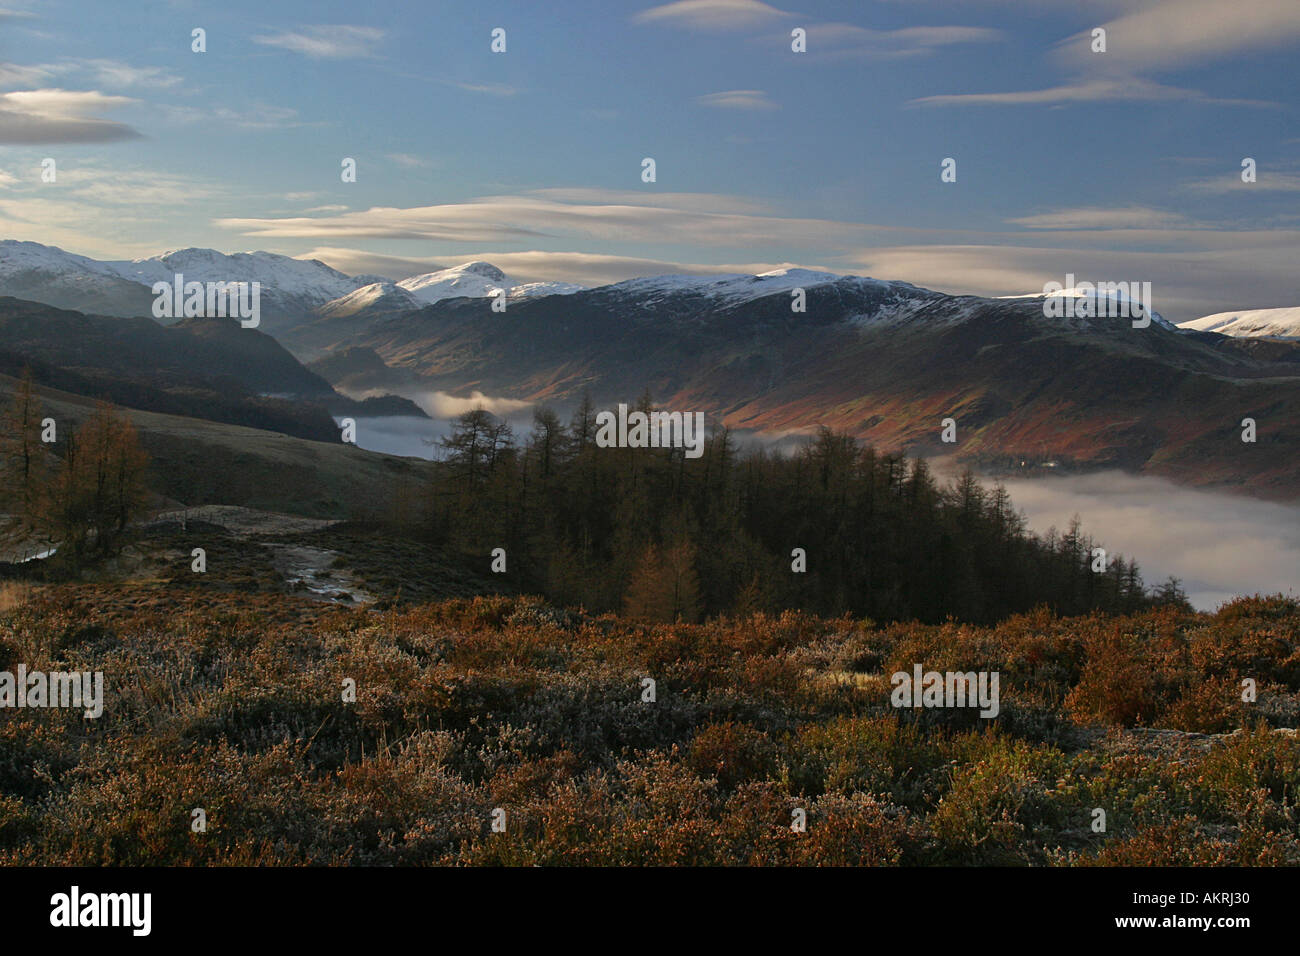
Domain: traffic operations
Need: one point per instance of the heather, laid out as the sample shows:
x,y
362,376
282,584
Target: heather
x,y
233,703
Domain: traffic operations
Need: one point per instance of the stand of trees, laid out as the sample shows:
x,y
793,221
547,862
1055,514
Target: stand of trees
x,y
82,490
661,537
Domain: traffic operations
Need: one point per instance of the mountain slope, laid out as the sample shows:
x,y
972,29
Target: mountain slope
x,y
29,270
886,361
290,288
206,368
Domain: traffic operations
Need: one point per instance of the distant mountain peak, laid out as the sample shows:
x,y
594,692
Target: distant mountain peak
x,y
479,268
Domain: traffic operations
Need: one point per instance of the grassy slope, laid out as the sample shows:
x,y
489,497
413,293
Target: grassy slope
x,y
203,462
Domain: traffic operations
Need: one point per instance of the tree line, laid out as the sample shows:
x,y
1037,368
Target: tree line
x,y
836,527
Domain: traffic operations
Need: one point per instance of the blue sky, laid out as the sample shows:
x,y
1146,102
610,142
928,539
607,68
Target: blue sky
x,y
1122,165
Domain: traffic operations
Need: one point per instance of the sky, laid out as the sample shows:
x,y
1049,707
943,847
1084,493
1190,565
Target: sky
x,y
1122,165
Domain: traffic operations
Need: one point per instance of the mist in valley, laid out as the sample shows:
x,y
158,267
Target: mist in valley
x,y
1219,545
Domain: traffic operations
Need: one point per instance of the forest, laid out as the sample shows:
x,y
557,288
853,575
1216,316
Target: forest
x,y
837,527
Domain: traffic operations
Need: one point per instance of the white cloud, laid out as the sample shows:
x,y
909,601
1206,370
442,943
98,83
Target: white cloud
x,y
410,161
327,42
595,216
1266,180
1169,34
114,73
837,40
712,14
737,100
50,116
699,202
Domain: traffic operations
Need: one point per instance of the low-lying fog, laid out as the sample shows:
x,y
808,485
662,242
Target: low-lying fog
x,y
1218,545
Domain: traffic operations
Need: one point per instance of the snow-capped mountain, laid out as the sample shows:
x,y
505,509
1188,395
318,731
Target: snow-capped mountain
x,y
477,280
290,288
1101,304
474,279
1253,323
293,291
29,270
307,279
381,296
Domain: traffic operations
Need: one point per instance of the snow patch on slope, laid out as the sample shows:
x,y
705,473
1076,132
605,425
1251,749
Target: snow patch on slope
x,y
383,295
1253,323
1103,305
738,287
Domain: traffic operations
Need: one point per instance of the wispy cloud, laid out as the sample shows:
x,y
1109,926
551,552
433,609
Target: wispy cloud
x,y
327,42
1267,180
839,40
99,209
116,74
410,161
1085,91
687,218
1170,34
737,100
1092,217
1152,36
113,74
490,89
258,116
698,202
12,74
712,14
49,116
